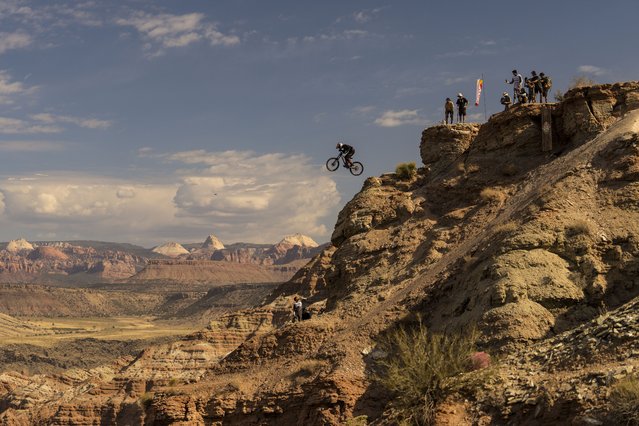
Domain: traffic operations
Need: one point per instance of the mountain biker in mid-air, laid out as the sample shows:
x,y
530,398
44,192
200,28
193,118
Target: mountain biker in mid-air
x,y
348,152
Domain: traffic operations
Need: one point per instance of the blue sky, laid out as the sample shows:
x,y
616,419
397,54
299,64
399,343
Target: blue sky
x,y
149,121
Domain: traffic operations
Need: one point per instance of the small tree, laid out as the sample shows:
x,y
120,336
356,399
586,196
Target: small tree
x,y
406,171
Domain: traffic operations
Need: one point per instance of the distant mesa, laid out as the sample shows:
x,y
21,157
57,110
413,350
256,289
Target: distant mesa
x,y
298,240
15,246
48,253
212,243
170,249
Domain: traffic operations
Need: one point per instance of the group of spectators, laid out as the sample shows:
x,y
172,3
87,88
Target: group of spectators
x,y
526,89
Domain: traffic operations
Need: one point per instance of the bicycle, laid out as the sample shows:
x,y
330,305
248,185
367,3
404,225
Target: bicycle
x,y
356,168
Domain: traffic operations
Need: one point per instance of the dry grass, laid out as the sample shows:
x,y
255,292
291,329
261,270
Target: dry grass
x,y
579,227
406,171
493,195
146,399
423,368
624,401
357,421
306,370
506,228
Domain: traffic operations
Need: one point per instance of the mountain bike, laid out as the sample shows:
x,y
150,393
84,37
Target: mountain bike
x,y
356,168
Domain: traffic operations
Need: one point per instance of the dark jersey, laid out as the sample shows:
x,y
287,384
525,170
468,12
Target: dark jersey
x,y
346,149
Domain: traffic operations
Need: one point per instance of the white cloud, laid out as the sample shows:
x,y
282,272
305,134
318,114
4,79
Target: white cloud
x,y
31,146
89,123
364,110
399,118
10,89
242,195
17,126
591,69
170,31
17,40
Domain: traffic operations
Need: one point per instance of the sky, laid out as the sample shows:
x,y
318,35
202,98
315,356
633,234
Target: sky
x,y
151,121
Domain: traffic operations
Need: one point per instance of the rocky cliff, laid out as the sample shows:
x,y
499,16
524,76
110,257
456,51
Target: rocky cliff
x,y
530,245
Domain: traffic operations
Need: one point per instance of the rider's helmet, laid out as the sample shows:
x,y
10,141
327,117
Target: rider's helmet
x,y
339,145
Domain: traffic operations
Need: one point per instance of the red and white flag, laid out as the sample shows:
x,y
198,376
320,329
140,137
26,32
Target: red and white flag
x,y
480,86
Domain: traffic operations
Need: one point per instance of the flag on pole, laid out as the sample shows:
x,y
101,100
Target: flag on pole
x,y
480,86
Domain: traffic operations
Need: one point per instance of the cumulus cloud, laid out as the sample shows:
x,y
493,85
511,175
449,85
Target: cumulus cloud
x,y
399,118
89,123
241,195
17,40
246,191
170,31
591,69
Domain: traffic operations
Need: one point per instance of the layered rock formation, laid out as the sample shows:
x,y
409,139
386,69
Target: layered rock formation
x,y
531,246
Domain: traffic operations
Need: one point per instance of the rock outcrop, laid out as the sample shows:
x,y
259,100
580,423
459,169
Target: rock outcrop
x,y
16,246
170,249
212,243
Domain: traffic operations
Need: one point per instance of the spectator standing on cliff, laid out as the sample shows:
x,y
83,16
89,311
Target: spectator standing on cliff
x,y
297,309
505,100
517,82
531,89
535,82
449,110
546,84
462,103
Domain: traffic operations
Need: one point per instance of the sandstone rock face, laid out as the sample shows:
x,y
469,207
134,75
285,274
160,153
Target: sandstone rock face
x,y
170,249
444,143
15,246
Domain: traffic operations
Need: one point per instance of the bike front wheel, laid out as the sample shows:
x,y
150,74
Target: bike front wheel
x,y
356,168
332,164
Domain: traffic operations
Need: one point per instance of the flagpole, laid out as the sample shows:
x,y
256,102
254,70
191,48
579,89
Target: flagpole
x,y
484,86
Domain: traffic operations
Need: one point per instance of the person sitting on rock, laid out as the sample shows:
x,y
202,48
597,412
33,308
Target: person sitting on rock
x,y
505,100
449,109
348,152
298,309
522,97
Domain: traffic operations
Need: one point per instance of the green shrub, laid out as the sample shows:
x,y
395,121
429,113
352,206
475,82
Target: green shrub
x,y
624,401
422,368
406,171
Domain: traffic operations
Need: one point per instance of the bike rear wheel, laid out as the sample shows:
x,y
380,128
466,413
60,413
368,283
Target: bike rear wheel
x,y
332,164
356,168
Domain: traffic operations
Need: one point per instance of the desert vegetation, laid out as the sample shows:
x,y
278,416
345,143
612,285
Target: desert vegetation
x,y
423,368
624,401
406,171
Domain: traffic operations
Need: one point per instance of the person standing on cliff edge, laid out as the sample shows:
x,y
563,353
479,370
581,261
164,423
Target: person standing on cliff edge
x,y
516,81
449,109
462,103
